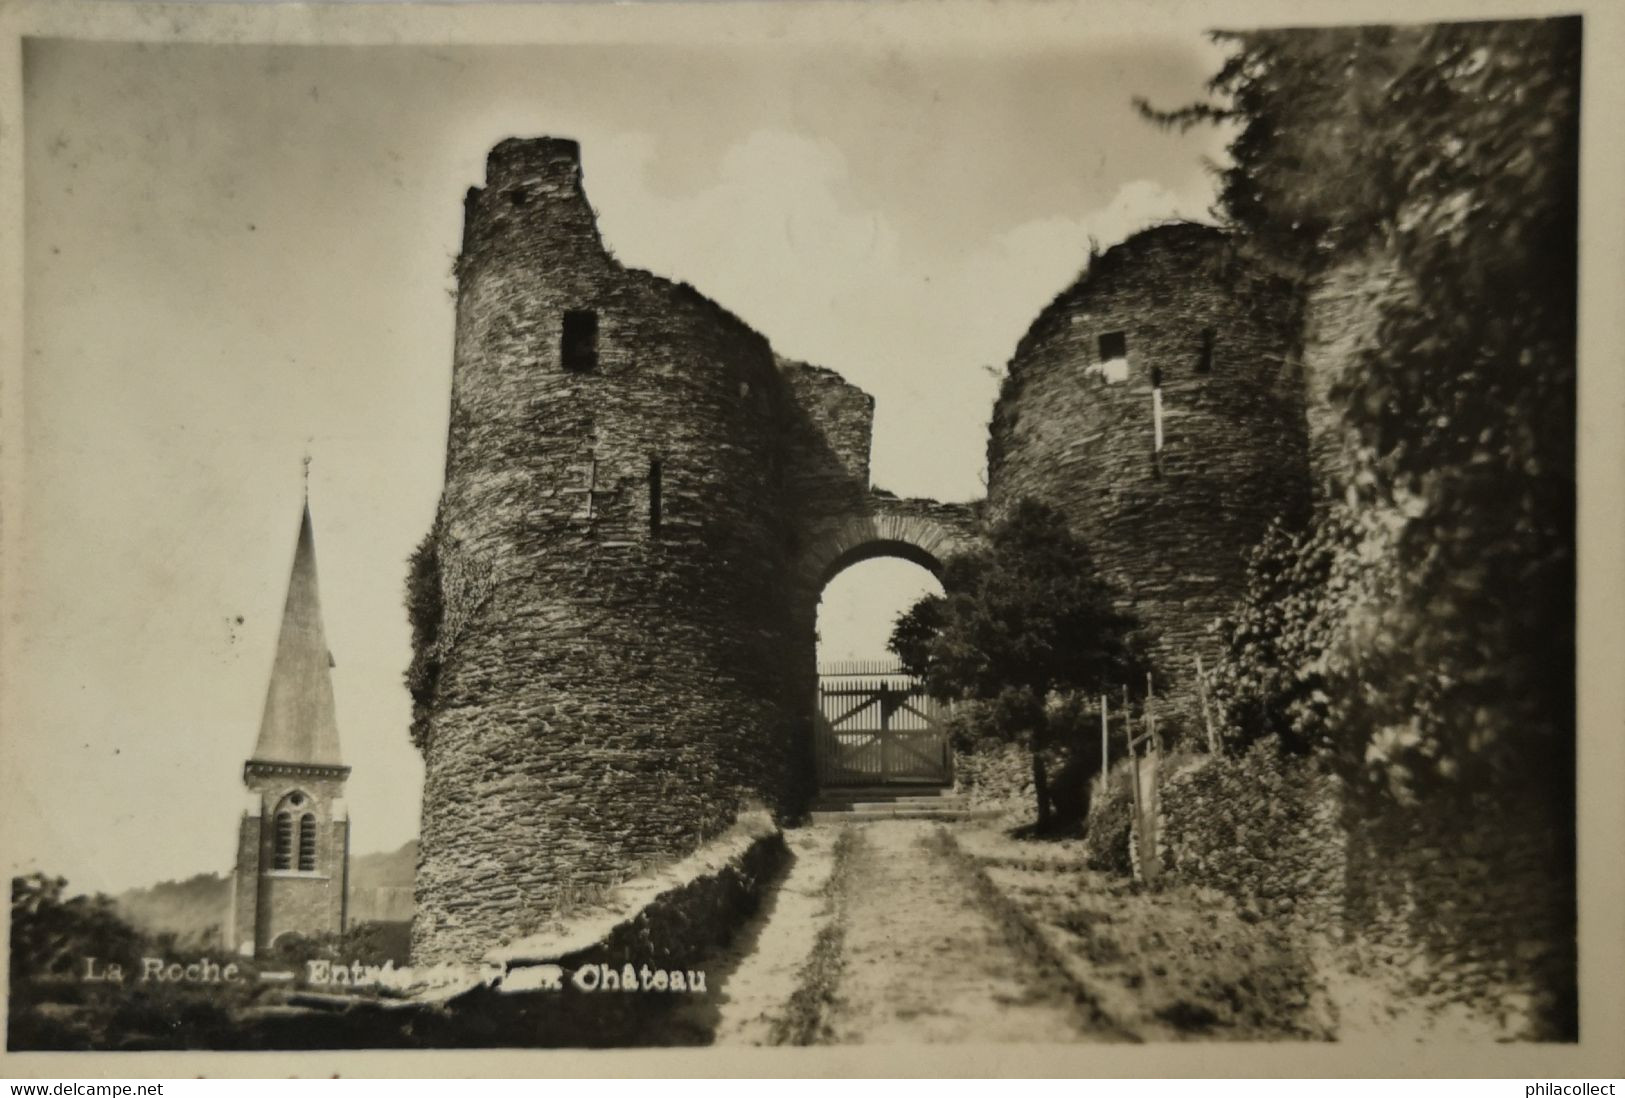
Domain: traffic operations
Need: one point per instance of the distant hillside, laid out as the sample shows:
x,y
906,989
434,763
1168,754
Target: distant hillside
x,y
195,909
381,885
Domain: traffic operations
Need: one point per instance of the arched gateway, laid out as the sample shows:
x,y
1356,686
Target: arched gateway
x,y
871,727
614,612
921,531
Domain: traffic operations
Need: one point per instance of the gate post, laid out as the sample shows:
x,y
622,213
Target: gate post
x,y
885,727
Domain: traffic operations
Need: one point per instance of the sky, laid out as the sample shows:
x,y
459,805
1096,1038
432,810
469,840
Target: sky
x,y
239,255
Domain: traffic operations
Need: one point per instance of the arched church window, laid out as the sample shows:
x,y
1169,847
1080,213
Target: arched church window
x,y
294,833
284,841
307,843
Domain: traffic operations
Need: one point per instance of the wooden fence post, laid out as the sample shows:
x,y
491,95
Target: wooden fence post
x,y
1150,865
1105,747
1207,713
1147,806
1134,766
1150,716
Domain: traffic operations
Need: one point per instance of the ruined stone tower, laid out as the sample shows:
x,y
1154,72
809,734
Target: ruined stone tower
x,y
1158,403
614,612
293,842
611,547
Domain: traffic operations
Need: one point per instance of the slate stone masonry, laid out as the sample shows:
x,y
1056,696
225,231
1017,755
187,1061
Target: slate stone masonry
x,y
636,487
1215,339
643,503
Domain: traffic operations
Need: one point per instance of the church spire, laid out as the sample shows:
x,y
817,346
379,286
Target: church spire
x,y
298,725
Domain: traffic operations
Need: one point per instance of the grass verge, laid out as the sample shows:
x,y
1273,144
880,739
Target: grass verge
x,y
1050,967
805,1020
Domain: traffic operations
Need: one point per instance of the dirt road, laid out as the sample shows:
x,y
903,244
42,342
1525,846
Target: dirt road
x,y
924,959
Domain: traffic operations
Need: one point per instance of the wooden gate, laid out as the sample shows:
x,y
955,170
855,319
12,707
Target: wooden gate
x,y
880,730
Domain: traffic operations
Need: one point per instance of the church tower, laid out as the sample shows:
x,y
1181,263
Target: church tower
x,y
293,844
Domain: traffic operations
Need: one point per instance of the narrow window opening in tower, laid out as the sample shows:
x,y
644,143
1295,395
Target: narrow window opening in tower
x,y
518,197
1113,345
578,344
307,843
1204,363
283,857
654,497
1156,377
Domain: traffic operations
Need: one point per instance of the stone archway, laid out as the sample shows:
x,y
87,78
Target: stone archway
x,y
879,524
921,531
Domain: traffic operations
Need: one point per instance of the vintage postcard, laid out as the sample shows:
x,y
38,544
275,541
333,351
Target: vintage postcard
x,y
811,538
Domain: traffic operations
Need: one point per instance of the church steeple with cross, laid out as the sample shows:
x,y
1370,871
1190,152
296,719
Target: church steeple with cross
x,y
294,837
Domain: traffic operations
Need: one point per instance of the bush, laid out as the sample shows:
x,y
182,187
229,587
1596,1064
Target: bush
x,y
1110,819
424,609
1284,653
371,943
50,936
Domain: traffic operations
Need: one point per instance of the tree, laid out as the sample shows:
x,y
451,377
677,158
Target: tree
x,y
51,936
1020,624
1454,149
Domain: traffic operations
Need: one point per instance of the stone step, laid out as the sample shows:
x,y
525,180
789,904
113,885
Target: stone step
x,y
889,802
922,804
886,792
901,812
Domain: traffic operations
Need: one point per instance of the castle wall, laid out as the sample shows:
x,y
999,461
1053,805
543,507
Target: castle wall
x,y
1342,321
609,693
610,679
830,425
1462,923
1171,529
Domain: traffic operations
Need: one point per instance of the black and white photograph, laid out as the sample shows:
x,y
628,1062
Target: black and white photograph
x,y
785,527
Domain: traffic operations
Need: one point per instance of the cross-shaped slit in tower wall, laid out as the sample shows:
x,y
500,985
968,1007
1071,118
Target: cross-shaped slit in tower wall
x,y
589,491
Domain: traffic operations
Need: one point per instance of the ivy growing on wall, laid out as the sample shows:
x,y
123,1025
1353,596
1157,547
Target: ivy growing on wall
x,y
1453,148
423,611
444,593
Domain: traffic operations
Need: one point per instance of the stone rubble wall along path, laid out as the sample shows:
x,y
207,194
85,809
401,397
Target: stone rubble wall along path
x,y
764,961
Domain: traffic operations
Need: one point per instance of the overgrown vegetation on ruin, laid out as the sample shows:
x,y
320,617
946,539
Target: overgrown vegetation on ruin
x,y
1432,650
423,612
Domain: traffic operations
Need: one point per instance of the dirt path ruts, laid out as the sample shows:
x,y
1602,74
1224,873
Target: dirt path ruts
x,y
925,961
764,964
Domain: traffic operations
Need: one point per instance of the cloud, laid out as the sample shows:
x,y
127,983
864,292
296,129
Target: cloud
x,y
784,240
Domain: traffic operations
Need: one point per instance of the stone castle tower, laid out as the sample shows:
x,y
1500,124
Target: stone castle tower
x,y
614,612
1159,404
612,476
293,843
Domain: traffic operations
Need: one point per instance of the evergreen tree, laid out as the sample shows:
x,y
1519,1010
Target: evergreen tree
x,y
1021,623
